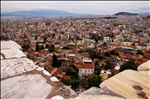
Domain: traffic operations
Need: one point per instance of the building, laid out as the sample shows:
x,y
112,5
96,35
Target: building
x,y
86,69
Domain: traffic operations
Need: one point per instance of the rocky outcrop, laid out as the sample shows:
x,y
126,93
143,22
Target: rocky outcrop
x,y
98,93
129,84
22,79
144,68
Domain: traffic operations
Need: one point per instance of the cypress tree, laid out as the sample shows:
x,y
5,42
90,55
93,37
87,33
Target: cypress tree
x,y
54,62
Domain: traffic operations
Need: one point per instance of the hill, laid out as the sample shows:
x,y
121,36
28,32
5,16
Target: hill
x,y
39,13
125,13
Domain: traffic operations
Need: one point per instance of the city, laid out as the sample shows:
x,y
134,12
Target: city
x,y
80,51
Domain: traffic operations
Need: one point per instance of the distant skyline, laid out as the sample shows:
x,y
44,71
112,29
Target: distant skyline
x,y
84,7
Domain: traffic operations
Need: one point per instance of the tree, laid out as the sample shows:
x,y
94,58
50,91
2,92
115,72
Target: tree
x,y
114,52
129,65
51,49
47,46
37,47
75,85
108,65
104,44
55,61
66,82
69,71
94,81
107,54
42,47
140,52
97,71
25,47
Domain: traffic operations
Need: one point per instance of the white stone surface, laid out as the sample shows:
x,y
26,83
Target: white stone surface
x,y
123,83
11,67
57,97
13,53
40,69
144,67
31,86
9,44
46,73
54,79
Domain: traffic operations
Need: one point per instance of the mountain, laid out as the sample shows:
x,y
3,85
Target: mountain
x,y
125,13
144,13
38,13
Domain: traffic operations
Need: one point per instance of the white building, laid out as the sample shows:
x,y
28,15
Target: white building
x,y
86,69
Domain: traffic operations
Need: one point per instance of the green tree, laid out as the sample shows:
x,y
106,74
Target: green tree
x,y
47,46
42,47
94,81
66,82
114,52
51,49
97,71
75,85
128,65
55,61
140,52
107,54
69,71
104,44
108,65
25,47
37,47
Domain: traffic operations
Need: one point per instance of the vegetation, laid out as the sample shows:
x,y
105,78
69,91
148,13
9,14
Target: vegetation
x,y
47,46
108,65
140,52
129,65
114,52
25,47
107,54
51,49
94,81
55,61
37,47
97,71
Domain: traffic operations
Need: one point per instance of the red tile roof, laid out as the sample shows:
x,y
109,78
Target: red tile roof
x,y
66,77
88,66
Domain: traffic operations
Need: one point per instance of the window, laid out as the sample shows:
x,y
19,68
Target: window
x,y
91,70
88,70
80,70
85,70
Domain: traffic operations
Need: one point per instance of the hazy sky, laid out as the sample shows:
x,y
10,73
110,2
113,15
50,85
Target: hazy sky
x,y
85,7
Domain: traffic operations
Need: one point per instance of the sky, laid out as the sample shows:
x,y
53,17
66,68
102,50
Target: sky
x,y
82,7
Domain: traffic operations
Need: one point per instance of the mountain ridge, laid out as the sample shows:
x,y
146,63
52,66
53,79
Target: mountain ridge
x,y
40,12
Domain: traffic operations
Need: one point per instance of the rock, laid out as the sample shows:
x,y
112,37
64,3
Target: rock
x,y
97,93
54,79
25,86
57,97
9,44
46,73
12,67
124,84
40,69
97,97
144,68
12,53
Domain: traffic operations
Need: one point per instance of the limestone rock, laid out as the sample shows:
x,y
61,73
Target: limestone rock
x,y
26,86
97,93
12,53
128,83
9,44
144,68
12,67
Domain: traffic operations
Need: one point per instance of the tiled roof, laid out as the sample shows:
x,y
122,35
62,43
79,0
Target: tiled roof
x,y
88,66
